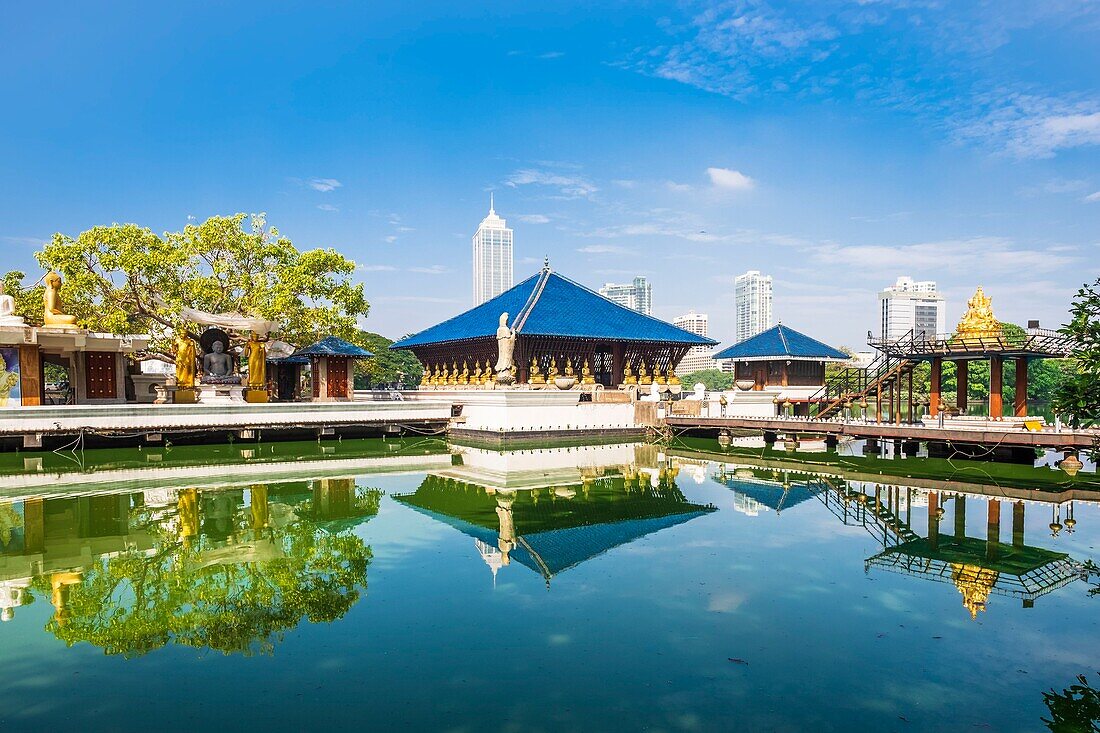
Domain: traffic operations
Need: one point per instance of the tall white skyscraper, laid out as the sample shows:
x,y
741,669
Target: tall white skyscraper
x,y
492,257
637,295
698,357
910,305
752,304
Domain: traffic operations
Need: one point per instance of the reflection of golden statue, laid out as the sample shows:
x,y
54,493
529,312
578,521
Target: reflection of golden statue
x,y
53,312
185,361
586,374
257,362
978,321
975,584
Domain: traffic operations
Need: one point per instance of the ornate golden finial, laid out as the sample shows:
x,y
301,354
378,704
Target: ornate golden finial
x,y
586,374
628,374
978,321
535,377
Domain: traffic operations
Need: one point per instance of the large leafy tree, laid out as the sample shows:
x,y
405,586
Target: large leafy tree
x,y
715,380
1078,393
387,367
126,279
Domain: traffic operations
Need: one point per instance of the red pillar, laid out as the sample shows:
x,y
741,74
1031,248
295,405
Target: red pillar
x,y
1021,387
934,386
996,380
962,381
933,520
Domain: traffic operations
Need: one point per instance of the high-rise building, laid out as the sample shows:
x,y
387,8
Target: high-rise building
x,y
492,257
637,295
698,358
910,305
752,304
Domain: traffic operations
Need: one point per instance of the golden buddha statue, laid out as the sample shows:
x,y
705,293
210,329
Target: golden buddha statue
x,y
464,377
257,362
443,377
643,374
475,377
586,374
487,375
53,313
453,379
671,376
658,377
553,369
535,377
978,321
426,376
185,361
569,367
628,374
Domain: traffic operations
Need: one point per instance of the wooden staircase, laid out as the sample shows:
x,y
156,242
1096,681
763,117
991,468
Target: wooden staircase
x,y
853,384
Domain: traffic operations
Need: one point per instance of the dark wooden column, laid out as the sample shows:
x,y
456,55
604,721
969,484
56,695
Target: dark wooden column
x,y
617,352
962,385
934,386
996,383
1018,524
1021,387
960,516
30,374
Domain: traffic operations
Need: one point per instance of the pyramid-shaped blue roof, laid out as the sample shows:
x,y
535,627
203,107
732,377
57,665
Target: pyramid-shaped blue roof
x,y
547,304
780,342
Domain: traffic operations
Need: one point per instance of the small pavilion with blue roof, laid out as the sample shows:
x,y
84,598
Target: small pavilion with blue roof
x,y
782,358
562,328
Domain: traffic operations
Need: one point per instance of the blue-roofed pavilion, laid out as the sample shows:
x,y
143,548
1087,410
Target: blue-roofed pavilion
x,y
559,324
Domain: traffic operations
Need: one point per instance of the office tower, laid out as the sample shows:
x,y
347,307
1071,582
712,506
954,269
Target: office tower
x,y
752,304
637,295
909,305
492,257
698,357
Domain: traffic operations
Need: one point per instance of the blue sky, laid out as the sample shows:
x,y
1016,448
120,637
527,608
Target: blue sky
x,y
834,145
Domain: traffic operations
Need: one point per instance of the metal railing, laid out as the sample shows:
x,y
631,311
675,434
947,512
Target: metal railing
x,y
1034,341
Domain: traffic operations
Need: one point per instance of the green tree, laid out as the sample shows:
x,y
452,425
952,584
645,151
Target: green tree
x,y
386,366
28,300
715,380
1078,391
126,279
1074,709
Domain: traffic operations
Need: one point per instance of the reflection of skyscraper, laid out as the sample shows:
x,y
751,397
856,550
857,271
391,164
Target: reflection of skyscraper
x,y
637,295
752,304
492,257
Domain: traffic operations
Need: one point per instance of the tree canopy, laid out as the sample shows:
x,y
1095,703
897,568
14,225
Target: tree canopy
x,y
124,278
1078,393
715,380
387,366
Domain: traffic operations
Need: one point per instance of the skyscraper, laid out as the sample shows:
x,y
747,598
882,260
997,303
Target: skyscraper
x,y
492,257
913,305
752,304
698,357
637,295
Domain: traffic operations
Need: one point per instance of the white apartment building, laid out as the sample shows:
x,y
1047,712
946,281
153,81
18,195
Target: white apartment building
x,y
752,304
637,295
698,357
910,305
492,257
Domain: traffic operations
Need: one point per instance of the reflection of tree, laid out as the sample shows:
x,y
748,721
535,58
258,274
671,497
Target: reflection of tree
x,y
196,591
1074,709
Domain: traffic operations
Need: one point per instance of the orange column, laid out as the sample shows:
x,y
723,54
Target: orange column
x,y
934,389
1021,387
993,529
933,520
996,380
962,382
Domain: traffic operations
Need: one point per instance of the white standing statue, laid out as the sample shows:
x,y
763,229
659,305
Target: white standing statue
x,y
7,310
506,344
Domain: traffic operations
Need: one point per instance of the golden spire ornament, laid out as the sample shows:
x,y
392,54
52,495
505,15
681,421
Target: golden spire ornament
x,y
978,321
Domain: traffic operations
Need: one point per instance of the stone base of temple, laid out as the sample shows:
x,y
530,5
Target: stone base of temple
x,y
220,394
256,396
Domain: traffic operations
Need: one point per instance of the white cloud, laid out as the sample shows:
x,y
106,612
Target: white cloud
x,y
323,184
991,255
731,179
327,207
376,268
534,218
390,239
605,249
624,183
432,270
1093,197
552,55
677,187
572,186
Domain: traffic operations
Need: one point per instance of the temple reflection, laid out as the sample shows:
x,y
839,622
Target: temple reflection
x,y
219,568
550,510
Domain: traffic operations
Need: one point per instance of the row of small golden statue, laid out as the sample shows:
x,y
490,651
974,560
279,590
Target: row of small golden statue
x,y
644,377
439,375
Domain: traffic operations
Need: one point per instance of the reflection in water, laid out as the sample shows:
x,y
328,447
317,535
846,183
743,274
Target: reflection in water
x,y
1076,708
550,526
222,569
977,567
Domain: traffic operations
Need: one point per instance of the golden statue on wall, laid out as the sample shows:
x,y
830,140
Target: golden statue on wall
x,y
628,374
978,321
53,312
586,374
535,377
185,361
257,362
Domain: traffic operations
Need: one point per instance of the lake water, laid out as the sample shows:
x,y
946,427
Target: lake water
x,y
413,585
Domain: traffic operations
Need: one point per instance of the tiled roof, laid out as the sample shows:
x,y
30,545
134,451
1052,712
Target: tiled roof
x,y
332,346
780,342
548,304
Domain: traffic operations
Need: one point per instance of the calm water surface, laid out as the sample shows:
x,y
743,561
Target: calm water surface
x,y
420,586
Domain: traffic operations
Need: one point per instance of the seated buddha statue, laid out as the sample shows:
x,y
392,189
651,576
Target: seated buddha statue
x,y
53,313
